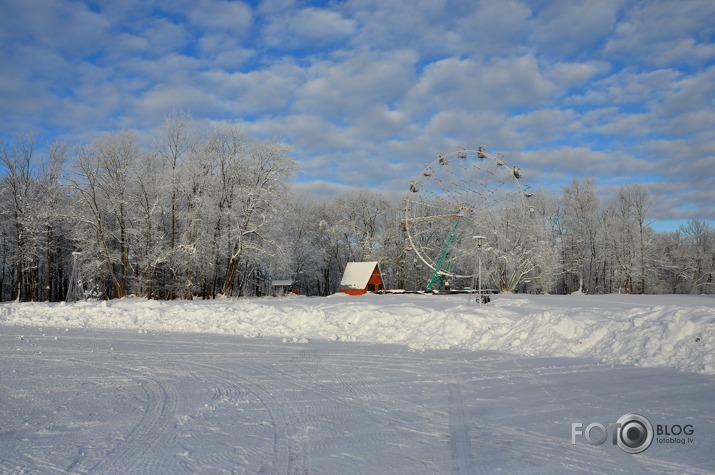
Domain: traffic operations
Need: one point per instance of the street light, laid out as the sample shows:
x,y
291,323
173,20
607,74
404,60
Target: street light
x,y
480,242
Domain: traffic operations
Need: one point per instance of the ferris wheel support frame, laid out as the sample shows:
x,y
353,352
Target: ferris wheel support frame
x,y
438,276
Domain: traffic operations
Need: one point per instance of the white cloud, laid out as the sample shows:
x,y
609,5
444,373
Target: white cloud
x,y
494,28
345,86
502,83
264,91
296,28
426,26
381,123
164,36
544,125
163,99
569,75
663,32
581,162
573,28
211,16
69,28
629,86
310,135
691,94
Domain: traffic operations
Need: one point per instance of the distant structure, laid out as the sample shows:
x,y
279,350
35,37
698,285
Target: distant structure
x,y
281,287
361,277
75,289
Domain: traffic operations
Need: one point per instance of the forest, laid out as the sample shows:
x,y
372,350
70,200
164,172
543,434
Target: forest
x,y
208,215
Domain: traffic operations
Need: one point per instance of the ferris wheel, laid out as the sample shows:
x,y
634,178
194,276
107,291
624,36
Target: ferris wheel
x,y
457,202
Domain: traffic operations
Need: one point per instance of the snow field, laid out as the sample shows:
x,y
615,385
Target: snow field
x,y
667,330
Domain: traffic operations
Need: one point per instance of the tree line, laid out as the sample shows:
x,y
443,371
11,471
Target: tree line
x,y
214,215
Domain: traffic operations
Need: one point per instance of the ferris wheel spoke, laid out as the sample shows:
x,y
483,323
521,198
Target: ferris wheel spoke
x,y
433,204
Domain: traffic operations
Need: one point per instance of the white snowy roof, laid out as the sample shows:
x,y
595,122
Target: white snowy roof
x,y
357,274
282,283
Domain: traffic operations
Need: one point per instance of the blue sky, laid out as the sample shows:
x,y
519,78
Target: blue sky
x,y
367,92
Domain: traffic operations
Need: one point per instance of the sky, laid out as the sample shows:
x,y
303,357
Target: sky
x,y
368,92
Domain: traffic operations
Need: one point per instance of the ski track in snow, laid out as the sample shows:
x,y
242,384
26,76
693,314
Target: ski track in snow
x,y
86,400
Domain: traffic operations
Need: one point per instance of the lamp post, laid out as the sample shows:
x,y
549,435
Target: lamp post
x,y
480,242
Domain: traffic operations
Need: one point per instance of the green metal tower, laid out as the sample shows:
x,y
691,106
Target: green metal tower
x,y
439,273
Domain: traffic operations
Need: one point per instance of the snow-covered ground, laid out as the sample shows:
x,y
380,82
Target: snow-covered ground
x,y
370,384
668,330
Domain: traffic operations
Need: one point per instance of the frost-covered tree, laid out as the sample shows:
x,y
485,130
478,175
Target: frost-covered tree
x,y
173,145
515,246
699,261
334,250
390,248
306,257
51,211
541,231
362,216
639,201
7,246
16,161
628,240
259,187
580,224
147,234
33,207
673,274
103,172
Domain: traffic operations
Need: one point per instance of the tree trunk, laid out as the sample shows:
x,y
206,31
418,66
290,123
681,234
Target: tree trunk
x,y
20,262
230,276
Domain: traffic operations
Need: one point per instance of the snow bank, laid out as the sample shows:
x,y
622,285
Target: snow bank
x,y
674,331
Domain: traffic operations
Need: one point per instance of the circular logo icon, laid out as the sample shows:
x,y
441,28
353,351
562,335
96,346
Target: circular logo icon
x,y
635,433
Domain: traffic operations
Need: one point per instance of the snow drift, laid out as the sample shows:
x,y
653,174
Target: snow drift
x,y
669,330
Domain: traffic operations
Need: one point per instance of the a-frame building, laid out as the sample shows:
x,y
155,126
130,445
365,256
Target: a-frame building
x,y
361,277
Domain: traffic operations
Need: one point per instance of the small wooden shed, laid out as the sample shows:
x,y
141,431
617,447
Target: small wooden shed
x,y
281,287
361,277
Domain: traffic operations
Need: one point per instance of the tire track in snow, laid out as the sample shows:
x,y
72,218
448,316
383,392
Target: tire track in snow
x,y
381,421
459,439
373,405
129,456
17,461
18,467
371,417
225,392
345,379
290,447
